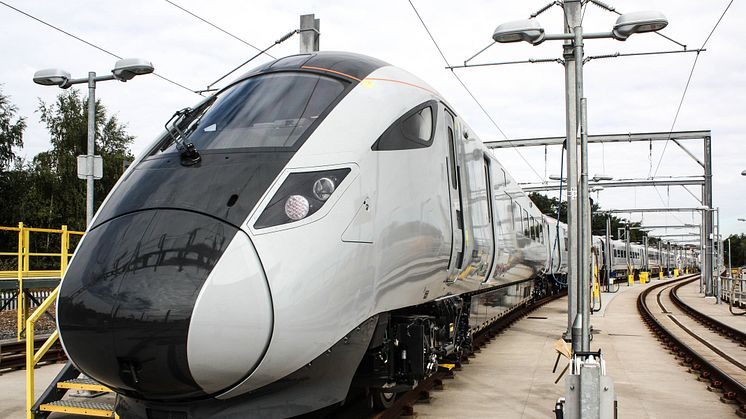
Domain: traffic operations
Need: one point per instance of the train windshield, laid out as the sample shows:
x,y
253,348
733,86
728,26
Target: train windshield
x,y
267,111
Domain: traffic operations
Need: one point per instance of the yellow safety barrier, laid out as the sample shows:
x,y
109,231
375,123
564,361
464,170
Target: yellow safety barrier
x,y
631,279
675,272
660,274
644,277
33,357
23,255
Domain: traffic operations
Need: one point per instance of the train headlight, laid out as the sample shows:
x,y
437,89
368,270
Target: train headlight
x,y
323,188
300,196
296,207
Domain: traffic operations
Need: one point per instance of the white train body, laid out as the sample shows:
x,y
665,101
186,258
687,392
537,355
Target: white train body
x,y
354,237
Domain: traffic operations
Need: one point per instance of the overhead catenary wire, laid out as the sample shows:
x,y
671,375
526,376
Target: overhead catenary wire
x,y
686,87
487,114
90,44
219,28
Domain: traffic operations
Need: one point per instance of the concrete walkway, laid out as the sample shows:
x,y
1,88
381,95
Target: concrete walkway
x,y
512,377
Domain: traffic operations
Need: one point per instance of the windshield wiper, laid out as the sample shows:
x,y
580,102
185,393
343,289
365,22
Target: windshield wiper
x,y
180,122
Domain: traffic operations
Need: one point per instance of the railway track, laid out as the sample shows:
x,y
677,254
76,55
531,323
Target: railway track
x,y
405,402
13,353
709,348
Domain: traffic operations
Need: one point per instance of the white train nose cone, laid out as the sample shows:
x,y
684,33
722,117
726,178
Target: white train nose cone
x,y
232,320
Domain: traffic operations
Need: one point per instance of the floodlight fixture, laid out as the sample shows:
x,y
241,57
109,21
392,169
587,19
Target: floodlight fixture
x,y
528,30
52,77
742,219
128,68
743,173
638,22
557,177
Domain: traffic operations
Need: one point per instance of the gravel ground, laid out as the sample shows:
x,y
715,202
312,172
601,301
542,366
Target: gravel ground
x,y
8,328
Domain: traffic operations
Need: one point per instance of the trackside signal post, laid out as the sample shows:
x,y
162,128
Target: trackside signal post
x,y
590,391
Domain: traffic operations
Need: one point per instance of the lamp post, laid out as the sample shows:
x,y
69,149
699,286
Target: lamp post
x,y
578,204
124,70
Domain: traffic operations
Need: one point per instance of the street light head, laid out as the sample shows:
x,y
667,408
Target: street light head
x,y
51,77
638,22
520,30
743,173
128,68
556,177
742,219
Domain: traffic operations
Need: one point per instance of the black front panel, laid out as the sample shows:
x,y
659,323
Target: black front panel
x,y
225,184
127,299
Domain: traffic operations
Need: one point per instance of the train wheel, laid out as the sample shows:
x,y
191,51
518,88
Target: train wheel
x,y
381,400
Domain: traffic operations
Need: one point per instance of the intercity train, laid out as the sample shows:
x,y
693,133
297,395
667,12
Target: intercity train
x,y
326,222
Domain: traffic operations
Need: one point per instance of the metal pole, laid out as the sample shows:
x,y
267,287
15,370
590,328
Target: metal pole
x,y
707,202
719,252
572,12
585,225
309,35
730,264
668,261
91,150
608,252
702,251
627,249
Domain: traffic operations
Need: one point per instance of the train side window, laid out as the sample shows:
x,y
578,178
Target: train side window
x,y
526,225
415,129
505,178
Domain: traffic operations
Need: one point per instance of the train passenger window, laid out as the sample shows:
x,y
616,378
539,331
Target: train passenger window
x,y
414,129
526,225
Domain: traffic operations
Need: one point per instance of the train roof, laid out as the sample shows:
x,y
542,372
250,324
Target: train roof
x,y
350,65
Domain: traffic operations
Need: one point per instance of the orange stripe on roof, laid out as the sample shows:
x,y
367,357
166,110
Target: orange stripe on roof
x,y
308,67
405,83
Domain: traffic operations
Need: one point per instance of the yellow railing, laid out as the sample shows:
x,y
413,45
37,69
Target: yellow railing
x,y
33,357
23,255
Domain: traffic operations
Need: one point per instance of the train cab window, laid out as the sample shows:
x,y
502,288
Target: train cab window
x,y
265,111
415,129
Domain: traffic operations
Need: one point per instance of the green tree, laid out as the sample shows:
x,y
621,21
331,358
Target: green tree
x,y
11,133
54,171
737,248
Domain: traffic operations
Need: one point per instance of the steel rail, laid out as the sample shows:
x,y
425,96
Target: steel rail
x,y
715,325
733,390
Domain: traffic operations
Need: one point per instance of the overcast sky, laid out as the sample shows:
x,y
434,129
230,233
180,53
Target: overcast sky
x,y
629,94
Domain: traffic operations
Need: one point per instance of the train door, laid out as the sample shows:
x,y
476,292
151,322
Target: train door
x,y
454,190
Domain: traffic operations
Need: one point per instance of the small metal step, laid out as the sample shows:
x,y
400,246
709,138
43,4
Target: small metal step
x,y
86,408
83,384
